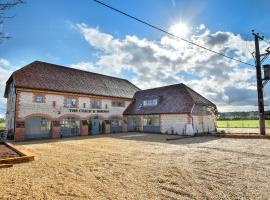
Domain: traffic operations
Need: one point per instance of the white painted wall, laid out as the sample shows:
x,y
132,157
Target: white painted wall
x,y
204,124
28,107
173,122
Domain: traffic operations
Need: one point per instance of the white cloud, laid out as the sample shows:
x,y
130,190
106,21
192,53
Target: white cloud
x,y
201,27
170,61
5,72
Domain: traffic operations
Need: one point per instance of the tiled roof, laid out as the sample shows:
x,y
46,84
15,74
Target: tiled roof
x,y
46,76
172,99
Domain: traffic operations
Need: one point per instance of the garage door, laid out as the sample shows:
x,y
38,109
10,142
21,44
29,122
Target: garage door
x,y
37,128
70,127
116,125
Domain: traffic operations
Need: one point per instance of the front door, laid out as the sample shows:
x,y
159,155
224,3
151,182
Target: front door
x,y
95,126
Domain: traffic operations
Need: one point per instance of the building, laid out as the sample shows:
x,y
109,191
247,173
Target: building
x,y
174,109
51,101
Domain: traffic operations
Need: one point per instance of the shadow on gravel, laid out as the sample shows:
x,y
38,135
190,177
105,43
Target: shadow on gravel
x,y
135,136
162,138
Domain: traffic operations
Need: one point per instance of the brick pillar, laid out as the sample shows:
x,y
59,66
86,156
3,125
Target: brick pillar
x,y
124,126
84,128
19,131
19,134
56,130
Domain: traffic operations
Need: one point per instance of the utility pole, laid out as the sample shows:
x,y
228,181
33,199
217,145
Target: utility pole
x,y
257,38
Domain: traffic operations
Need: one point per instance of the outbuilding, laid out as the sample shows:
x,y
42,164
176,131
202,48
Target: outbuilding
x,y
173,109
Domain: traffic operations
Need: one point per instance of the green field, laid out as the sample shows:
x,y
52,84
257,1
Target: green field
x,y
241,124
2,124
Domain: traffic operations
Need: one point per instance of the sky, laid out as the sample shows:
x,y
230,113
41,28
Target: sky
x,y
85,35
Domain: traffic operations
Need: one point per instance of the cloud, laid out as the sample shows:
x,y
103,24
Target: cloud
x,y
5,72
168,61
201,27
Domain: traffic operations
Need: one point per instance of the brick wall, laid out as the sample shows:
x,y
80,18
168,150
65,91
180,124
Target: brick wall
x,y
19,134
28,107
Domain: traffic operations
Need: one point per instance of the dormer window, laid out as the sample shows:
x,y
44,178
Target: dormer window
x,y
150,101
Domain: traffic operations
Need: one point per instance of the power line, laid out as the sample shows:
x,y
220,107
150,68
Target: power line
x,y
168,33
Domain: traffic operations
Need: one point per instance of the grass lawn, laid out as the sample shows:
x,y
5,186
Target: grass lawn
x,y
141,166
2,125
241,124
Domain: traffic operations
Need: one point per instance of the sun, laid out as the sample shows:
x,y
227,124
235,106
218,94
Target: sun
x,y
179,29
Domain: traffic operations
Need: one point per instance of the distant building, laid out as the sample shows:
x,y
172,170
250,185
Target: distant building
x,y
173,109
50,101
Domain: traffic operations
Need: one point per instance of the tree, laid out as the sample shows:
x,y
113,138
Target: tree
x,y
4,6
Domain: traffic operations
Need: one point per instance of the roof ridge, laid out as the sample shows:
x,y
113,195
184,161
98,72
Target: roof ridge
x,y
191,90
162,87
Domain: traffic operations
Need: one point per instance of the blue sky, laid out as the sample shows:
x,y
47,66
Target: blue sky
x,y
84,34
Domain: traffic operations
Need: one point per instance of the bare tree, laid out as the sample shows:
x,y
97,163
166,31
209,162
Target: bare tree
x,y
4,6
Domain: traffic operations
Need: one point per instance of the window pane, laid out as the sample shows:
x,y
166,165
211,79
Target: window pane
x,y
115,122
71,102
118,104
96,104
151,120
39,99
150,102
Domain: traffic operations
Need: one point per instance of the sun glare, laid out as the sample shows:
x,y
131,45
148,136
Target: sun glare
x,y
179,29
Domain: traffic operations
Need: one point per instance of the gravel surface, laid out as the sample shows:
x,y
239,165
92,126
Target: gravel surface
x,y
141,166
6,152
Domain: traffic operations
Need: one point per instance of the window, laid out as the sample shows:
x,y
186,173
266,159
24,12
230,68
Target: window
x,y
39,99
84,105
54,103
151,120
116,122
71,102
118,104
96,104
150,101
45,125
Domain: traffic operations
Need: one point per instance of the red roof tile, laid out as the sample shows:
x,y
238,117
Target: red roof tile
x,y
46,76
172,99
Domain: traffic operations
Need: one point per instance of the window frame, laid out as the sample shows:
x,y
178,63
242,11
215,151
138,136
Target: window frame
x,y
71,104
39,98
151,120
95,106
150,101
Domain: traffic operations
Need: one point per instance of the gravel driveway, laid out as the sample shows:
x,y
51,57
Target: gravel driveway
x,y
141,166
